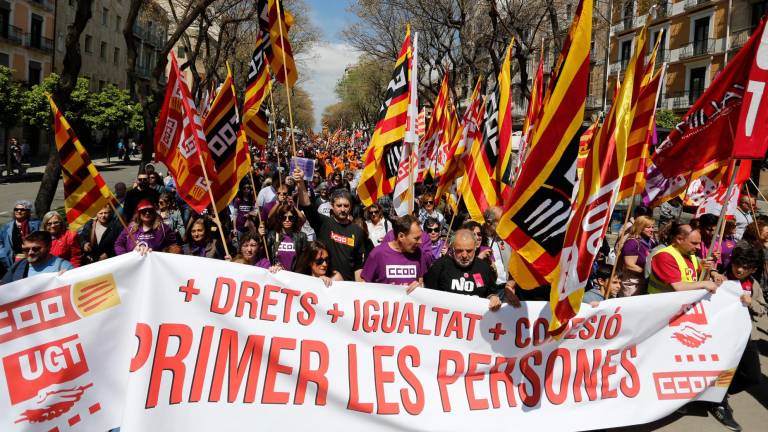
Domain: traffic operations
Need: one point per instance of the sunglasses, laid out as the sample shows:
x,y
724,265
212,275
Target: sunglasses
x,y
289,217
433,229
282,194
373,212
428,202
143,179
20,210
32,249
147,211
321,261
53,223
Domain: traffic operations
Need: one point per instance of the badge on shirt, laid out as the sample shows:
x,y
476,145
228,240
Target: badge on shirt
x,y
338,238
400,271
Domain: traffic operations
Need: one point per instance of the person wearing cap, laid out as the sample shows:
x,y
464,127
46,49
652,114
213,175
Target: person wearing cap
x,y
12,233
141,191
146,232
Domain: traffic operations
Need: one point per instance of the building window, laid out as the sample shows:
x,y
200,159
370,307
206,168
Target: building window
x,y
181,52
103,51
33,77
117,56
700,36
5,20
102,84
626,53
88,43
5,60
36,31
105,17
118,23
696,83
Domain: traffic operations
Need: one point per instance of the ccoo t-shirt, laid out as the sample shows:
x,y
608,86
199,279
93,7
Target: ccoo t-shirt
x,y
386,265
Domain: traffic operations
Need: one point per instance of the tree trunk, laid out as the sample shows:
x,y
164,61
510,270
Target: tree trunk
x,y
69,74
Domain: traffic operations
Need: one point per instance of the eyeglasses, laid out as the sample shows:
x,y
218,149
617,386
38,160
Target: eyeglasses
x,y
433,229
321,261
282,193
289,217
429,202
20,210
373,212
31,249
53,223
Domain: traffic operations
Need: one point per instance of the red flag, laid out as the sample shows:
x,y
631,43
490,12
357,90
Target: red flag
x,y
752,135
179,139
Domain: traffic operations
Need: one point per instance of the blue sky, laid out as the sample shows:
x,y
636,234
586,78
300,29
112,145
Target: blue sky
x,y
327,61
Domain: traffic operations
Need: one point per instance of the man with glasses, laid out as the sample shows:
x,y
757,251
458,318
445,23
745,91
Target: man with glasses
x,y
13,233
37,259
141,191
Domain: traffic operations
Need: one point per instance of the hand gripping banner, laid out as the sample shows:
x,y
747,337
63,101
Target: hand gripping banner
x,y
168,342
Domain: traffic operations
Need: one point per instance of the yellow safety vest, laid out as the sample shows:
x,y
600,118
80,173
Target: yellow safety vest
x,y
656,285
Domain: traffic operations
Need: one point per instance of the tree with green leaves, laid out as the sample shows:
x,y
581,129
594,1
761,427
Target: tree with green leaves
x,y
36,110
112,109
666,119
361,91
11,94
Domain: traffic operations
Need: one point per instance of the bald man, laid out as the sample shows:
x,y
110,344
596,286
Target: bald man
x,y
462,274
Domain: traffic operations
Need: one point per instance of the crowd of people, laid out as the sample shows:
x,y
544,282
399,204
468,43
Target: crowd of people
x,y
281,222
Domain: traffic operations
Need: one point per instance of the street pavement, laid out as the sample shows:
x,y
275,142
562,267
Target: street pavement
x,y
750,408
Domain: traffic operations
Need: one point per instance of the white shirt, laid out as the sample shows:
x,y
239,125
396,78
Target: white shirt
x,y
377,232
266,195
501,252
742,219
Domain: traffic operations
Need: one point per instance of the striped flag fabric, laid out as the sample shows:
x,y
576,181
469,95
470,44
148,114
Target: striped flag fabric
x,y
435,133
459,151
257,88
449,127
421,121
382,157
278,49
534,218
598,189
484,167
403,197
227,144
85,191
506,162
180,139
585,142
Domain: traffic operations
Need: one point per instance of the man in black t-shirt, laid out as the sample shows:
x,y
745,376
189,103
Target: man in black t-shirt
x,y
462,273
345,240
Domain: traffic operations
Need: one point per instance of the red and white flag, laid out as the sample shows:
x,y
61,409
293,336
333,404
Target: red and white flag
x,y
403,197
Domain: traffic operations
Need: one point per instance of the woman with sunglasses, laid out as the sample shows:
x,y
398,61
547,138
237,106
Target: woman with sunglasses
x,y
428,209
376,223
314,260
146,232
244,203
436,242
284,236
64,243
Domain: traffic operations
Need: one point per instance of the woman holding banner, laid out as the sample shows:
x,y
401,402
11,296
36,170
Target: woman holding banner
x,y
146,232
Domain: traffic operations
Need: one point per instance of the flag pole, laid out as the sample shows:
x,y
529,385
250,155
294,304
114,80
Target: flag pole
x,y
274,129
723,210
757,189
117,213
258,211
285,74
213,203
607,288
685,196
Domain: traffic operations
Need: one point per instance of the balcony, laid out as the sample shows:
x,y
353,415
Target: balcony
x,y
142,71
38,42
46,5
739,37
663,9
621,66
662,56
627,22
690,4
684,100
698,48
594,102
149,36
13,34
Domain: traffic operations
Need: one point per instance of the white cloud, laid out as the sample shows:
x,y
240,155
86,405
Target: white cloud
x,y
324,66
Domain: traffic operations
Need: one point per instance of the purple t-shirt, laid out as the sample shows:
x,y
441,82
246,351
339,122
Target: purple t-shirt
x,y
242,207
386,265
638,247
286,252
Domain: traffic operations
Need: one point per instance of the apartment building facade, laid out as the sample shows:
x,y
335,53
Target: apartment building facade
x,y
26,38
696,40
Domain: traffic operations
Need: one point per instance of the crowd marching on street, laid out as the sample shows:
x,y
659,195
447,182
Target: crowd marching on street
x,y
453,207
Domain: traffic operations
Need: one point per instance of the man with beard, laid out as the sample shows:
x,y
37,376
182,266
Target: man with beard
x,y
463,274
142,191
345,240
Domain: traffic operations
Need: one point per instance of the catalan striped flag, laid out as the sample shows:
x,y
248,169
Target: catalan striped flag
x,y
450,126
257,88
85,192
435,133
585,142
180,141
459,150
421,121
535,216
382,157
598,190
505,165
484,170
276,21
227,144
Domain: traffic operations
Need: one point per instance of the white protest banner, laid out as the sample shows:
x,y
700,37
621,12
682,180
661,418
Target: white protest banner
x,y
169,342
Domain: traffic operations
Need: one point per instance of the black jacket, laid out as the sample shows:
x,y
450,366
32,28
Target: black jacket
x,y
107,243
